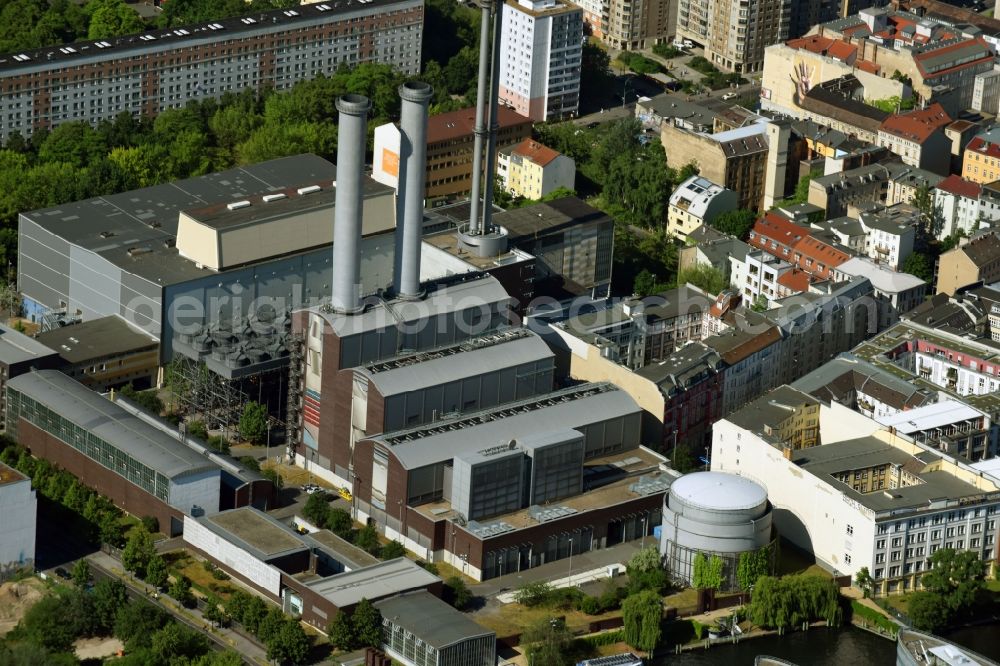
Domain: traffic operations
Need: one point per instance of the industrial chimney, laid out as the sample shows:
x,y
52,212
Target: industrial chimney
x,y
352,134
480,128
416,95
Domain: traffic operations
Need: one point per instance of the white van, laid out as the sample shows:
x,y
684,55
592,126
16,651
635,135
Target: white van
x,y
679,43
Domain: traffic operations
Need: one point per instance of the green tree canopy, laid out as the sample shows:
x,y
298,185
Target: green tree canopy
x,y
957,576
707,572
549,642
366,620
642,614
138,551
705,277
112,18
919,265
253,422
736,223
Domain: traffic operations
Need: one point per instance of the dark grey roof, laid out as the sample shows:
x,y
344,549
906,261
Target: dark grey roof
x,y
111,225
771,408
17,347
96,339
670,106
983,249
685,367
98,415
828,459
377,581
543,218
430,619
839,379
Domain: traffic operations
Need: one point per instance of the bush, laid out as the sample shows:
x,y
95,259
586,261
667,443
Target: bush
x,y
591,605
665,50
699,629
392,550
604,638
460,594
197,429
533,594
220,444
151,523
639,63
873,617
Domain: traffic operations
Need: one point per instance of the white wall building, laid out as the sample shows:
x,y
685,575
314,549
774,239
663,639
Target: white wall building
x,y
889,235
986,91
896,292
18,511
865,497
962,207
541,49
761,274
695,202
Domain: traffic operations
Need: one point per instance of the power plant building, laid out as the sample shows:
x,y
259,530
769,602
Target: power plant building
x,y
145,73
713,514
18,521
140,468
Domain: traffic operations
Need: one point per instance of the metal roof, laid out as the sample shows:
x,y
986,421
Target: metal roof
x,y
882,278
430,619
718,491
94,339
446,439
375,582
118,427
113,226
18,348
930,416
494,351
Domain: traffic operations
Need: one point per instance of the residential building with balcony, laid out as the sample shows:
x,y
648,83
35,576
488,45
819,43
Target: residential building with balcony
x,y
734,32
541,49
631,24
890,233
962,206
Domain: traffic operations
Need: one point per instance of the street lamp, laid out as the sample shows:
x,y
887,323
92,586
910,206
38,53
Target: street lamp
x,y
628,81
673,453
570,560
642,544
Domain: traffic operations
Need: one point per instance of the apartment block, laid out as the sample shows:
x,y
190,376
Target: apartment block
x,y
163,69
696,202
896,293
977,260
531,170
634,24
739,31
541,50
918,138
963,207
890,233
981,160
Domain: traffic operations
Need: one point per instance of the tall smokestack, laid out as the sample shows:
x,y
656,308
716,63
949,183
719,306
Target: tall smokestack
x,y
480,128
491,146
416,95
351,140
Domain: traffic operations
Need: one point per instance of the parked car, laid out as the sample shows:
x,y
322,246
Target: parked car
x,y
729,95
346,494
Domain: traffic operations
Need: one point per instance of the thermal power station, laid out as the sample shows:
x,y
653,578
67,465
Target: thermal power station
x,y
713,513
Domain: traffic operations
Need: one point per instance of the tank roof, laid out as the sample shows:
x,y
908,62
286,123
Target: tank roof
x,y
719,491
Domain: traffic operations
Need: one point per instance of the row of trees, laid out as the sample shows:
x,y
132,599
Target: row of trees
x,y
283,636
790,601
99,518
952,589
319,512
358,629
48,630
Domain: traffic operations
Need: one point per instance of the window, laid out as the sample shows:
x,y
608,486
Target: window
x,y
847,558
850,529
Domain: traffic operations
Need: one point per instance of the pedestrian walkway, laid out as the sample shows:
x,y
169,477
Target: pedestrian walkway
x,y
575,580
192,617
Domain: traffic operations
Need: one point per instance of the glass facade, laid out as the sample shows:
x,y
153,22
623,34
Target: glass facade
x,y
412,651
95,448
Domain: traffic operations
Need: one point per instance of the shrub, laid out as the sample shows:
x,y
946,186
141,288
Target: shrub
x,y
533,594
873,617
591,605
604,638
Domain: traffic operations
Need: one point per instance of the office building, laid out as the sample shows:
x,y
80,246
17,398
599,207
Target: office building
x,y
146,73
18,518
541,51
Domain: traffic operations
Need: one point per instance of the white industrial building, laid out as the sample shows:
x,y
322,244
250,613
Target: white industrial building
x,y
541,54
866,496
695,202
18,514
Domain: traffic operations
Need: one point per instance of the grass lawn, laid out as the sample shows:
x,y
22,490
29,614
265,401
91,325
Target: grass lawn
x,y
514,618
791,560
182,562
683,599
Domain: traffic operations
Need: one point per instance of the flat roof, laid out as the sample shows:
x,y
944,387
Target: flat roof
x,y
10,475
441,298
120,428
430,619
493,351
930,416
884,279
344,551
95,339
17,347
375,582
450,438
256,532
189,35
538,219
112,225
828,459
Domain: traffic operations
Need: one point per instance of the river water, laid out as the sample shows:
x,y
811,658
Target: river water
x,y
826,647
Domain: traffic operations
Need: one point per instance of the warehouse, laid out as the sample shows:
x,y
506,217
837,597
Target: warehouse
x,y
421,629
140,468
20,354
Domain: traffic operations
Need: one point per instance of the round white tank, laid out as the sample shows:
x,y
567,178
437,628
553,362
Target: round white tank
x,y
713,513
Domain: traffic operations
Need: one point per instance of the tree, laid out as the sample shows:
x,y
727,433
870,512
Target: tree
x,y
289,643
341,632
214,612
461,595
736,223
863,579
317,509
137,622
50,623
645,560
366,621
791,600
151,524
253,422
957,577
111,18
595,71
81,573
339,522
549,642
392,550
708,278
919,265
367,540
175,641
760,304
707,572
533,594
156,572
931,217
270,625
138,551
928,611
752,565
110,596
180,589
642,614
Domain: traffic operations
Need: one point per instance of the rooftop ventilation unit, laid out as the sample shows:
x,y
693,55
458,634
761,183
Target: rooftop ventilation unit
x,y
268,198
309,190
236,205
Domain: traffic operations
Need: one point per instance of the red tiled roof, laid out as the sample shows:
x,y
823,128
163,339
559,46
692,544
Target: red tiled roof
x,y
536,152
777,228
917,125
795,280
868,66
842,51
456,124
813,43
960,186
984,147
820,253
